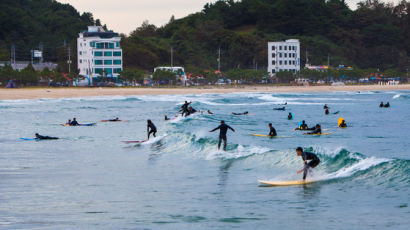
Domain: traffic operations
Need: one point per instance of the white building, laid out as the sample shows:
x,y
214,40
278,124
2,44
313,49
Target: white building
x,y
284,56
99,54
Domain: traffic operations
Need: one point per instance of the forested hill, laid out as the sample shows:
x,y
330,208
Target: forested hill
x,y
26,23
375,35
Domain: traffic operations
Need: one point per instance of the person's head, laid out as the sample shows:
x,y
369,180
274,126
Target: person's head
x,y
246,112
37,134
290,113
186,102
69,120
343,121
149,121
270,124
303,122
74,119
317,126
299,151
116,118
222,122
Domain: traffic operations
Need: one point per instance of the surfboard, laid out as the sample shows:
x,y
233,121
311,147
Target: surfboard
x,y
90,124
135,142
28,139
284,183
336,112
317,134
261,135
113,121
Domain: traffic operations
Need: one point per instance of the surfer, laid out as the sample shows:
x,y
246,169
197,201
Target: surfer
x,y
316,130
343,124
272,132
280,109
209,112
327,111
325,106
68,122
116,119
74,122
314,161
290,116
302,126
166,117
387,105
184,108
238,114
381,105
223,129
151,128
190,111
40,137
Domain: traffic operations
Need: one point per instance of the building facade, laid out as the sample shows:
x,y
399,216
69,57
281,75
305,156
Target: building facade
x,y
99,55
284,56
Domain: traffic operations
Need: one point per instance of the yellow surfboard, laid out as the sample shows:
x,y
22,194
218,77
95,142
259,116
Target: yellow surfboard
x,y
341,119
284,183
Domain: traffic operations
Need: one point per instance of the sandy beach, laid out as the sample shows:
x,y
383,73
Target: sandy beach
x,y
35,93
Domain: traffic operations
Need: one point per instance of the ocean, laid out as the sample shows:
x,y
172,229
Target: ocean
x,y
89,179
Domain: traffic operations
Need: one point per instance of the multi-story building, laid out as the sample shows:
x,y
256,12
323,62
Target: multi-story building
x,y
284,56
99,54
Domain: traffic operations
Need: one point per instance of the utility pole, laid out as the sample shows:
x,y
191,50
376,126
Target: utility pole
x,y
13,54
32,53
307,57
172,56
69,60
219,59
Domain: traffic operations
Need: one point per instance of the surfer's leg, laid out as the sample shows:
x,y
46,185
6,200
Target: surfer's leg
x,y
154,133
305,171
219,143
224,138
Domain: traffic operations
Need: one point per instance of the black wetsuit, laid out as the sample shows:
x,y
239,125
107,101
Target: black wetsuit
x,y
190,111
343,125
327,111
272,132
151,129
166,118
387,105
290,117
74,123
381,105
281,109
245,113
40,137
223,129
315,130
314,161
184,108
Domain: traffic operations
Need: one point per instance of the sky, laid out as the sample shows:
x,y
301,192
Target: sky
x,y
124,16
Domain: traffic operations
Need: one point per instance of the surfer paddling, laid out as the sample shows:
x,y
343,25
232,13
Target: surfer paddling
x,y
307,156
223,129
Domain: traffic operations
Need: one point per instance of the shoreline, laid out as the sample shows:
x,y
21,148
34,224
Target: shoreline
x,y
48,92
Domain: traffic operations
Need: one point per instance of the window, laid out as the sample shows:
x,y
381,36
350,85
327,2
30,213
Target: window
x,y
286,47
108,70
280,55
81,61
273,47
98,54
92,44
286,62
273,71
280,62
81,53
107,54
117,53
273,62
107,62
98,70
290,48
100,45
117,44
280,47
286,55
273,55
117,62
117,70
98,62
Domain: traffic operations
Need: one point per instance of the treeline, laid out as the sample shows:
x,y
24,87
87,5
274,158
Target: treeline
x,y
31,77
375,35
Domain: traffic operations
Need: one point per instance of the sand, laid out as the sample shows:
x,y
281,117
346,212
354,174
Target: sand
x,y
35,93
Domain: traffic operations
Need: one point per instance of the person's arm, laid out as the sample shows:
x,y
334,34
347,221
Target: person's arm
x,y
213,130
229,127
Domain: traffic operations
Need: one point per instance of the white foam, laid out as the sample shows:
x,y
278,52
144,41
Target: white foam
x,y
396,96
241,151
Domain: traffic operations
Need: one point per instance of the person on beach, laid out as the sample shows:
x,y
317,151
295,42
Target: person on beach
x,y
290,116
316,130
272,131
151,129
223,129
74,122
302,126
307,166
40,137
238,114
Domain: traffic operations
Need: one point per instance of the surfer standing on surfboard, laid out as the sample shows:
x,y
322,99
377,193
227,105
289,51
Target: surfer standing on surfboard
x,y
223,129
307,156
151,128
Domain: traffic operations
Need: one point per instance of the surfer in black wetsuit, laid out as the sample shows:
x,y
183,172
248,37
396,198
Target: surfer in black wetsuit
x,y
280,109
74,122
151,128
325,106
223,129
209,112
290,116
316,130
166,117
381,105
40,137
190,111
272,131
307,156
184,108
327,111
237,114
302,126
343,124
387,105
116,119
